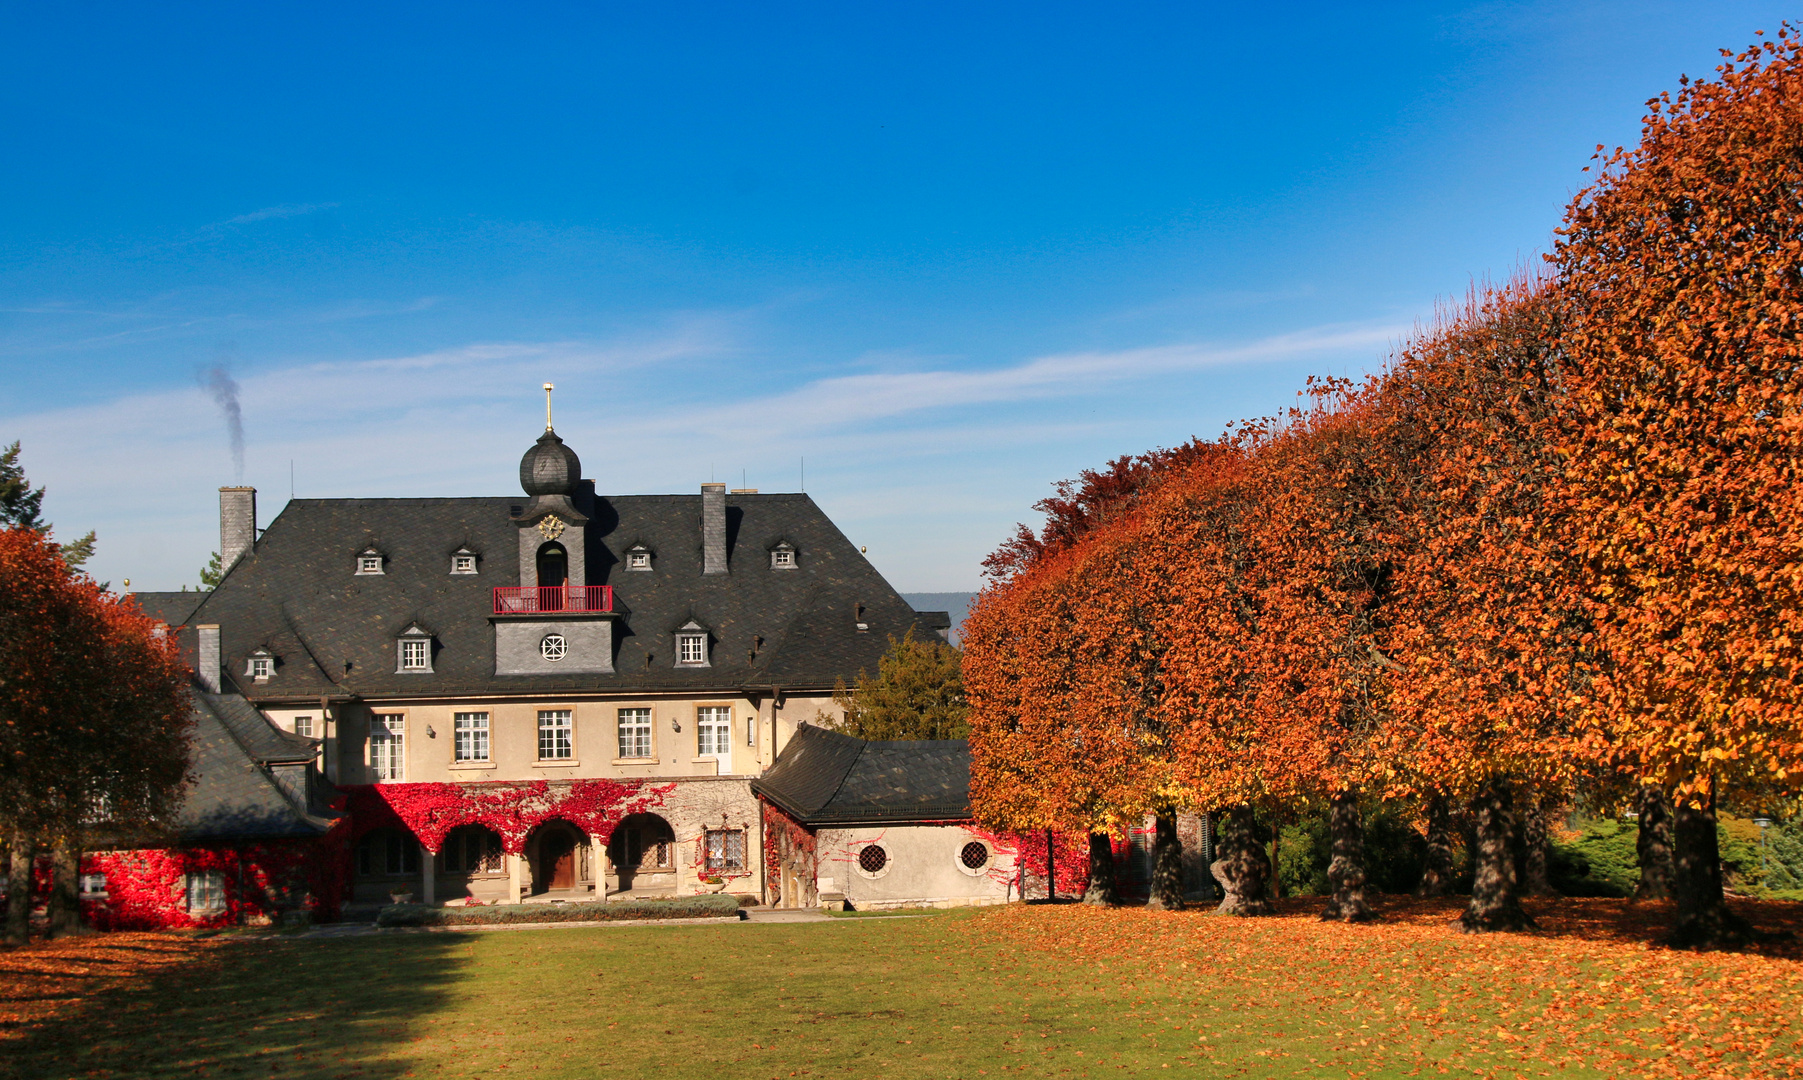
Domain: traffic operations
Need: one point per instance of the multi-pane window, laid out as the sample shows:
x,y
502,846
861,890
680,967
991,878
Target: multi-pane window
x,y
713,731
782,558
469,736
416,654
691,649
555,735
303,725
635,733
369,563
751,730
638,560
387,732
206,890
389,852
725,849
463,563
93,884
260,667
472,850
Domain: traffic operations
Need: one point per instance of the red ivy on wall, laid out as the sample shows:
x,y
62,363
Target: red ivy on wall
x,y
431,811
778,829
146,889
1071,850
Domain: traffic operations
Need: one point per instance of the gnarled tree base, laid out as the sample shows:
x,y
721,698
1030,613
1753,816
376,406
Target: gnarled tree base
x,y
1346,873
1243,867
1495,905
1101,889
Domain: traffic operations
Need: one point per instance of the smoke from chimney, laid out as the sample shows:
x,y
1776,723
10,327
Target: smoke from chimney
x,y
224,389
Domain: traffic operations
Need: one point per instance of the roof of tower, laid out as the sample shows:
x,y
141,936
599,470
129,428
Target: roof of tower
x,y
550,467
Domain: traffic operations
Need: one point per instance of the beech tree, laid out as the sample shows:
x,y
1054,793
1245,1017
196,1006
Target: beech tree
x,y
1681,307
93,719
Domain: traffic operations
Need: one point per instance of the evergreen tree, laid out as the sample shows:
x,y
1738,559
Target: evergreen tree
x,y
22,506
211,573
918,693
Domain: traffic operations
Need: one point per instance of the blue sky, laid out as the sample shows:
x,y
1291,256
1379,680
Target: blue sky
x,y
947,256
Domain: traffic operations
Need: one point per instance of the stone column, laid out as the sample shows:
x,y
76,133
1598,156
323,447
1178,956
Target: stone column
x,y
513,878
428,876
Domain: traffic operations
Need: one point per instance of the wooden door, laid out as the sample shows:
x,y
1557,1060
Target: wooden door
x,y
557,860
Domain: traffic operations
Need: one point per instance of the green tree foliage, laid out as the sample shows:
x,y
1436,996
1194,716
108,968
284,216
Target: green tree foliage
x,y
211,573
918,693
1784,856
23,506
1394,852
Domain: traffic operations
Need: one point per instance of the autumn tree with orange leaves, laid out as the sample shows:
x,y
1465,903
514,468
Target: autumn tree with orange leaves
x,y
1558,544
1681,307
93,719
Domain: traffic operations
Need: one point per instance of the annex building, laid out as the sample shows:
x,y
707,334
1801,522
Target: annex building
x,y
551,696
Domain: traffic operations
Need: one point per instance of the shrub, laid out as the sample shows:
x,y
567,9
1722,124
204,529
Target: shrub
x,y
684,907
1394,853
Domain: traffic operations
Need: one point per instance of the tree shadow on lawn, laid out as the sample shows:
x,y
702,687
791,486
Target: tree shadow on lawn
x,y
291,1009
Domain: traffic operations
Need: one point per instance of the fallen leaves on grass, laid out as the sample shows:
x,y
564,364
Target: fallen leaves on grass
x,y
41,980
1591,991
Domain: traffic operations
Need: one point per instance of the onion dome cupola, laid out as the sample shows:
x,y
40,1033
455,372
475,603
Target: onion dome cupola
x,y
551,528
550,467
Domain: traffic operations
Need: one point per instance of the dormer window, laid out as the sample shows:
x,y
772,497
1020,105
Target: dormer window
x,y
413,651
369,562
691,645
782,556
463,561
638,557
260,666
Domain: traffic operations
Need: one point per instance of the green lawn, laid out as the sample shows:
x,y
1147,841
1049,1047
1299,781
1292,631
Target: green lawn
x,y
1047,992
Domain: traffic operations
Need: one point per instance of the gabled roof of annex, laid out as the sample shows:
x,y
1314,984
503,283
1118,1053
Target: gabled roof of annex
x,y
825,777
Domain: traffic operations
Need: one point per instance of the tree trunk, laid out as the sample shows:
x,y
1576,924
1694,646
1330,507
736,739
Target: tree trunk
x,y
64,909
1704,921
1242,866
1051,867
1531,871
1101,888
1346,872
18,888
1167,866
1654,846
1436,873
1495,905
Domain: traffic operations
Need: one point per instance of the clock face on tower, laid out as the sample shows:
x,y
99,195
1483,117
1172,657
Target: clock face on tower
x,y
551,528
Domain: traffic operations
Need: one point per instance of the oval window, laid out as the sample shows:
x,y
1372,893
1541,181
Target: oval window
x,y
554,647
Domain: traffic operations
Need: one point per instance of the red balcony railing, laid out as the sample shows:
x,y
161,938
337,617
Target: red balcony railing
x,y
535,599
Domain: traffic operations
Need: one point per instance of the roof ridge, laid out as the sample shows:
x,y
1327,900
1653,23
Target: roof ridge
x,y
863,745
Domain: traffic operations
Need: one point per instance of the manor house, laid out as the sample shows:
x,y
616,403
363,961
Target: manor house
x,y
555,695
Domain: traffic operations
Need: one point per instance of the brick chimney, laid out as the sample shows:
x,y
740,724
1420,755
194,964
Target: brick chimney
x,y
237,523
713,528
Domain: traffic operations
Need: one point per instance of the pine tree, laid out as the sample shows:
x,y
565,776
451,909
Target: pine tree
x,y
22,506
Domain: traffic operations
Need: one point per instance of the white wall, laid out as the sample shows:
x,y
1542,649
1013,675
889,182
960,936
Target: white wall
x,y
922,868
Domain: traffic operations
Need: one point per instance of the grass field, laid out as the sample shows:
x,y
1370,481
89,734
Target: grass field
x,y
1041,991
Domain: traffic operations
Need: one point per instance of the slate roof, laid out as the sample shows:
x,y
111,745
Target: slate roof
x,y
826,778
236,796
171,607
333,632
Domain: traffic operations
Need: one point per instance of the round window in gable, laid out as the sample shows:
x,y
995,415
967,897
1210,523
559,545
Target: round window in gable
x,y
975,856
554,648
873,859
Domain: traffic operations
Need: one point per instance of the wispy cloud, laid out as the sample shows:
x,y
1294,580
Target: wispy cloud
x,y
964,449
285,210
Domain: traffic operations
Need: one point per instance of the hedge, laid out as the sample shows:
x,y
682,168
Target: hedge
x,y
686,907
